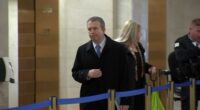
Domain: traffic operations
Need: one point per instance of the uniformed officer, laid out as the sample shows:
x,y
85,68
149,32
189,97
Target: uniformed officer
x,y
187,51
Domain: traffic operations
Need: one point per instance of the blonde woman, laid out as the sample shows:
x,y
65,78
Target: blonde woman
x,y
130,36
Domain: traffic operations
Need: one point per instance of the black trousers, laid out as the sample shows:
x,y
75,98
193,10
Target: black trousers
x,y
139,103
139,100
185,97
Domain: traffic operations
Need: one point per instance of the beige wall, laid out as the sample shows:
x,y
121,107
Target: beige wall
x,y
3,49
4,28
140,15
13,50
9,43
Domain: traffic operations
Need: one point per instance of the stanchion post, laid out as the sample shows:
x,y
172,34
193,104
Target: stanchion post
x,y
157,79
148,98
192,95
53,103
163,94
111,99
170,105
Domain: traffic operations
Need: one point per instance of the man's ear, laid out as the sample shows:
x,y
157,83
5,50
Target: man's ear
x,y
104,30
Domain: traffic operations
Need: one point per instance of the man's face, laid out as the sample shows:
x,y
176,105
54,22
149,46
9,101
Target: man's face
x,y
95,31
195,32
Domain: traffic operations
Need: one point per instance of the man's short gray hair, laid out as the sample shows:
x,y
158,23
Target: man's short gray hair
x,y
99,19
196,22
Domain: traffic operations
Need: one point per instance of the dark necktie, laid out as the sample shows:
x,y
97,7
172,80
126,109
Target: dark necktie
x,y
98,50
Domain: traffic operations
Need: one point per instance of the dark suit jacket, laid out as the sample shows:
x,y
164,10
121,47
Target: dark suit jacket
x,y
146,65
186,55
113,64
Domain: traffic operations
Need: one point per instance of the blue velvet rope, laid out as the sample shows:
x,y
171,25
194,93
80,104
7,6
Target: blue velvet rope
x,y
198,82
35,106
161,88
183,84
141,91
131,93
83,99
99,97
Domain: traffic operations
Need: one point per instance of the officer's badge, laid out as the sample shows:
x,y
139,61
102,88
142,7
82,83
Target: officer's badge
x,y
176,44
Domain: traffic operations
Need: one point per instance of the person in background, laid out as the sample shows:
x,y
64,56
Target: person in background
x,y
100,65
130,36
187,51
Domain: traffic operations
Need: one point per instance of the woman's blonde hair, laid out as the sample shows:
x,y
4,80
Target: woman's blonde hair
x,y
128,37
129,33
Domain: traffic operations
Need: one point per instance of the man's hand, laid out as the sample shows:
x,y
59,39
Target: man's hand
x,y
124,107
94,73
152,70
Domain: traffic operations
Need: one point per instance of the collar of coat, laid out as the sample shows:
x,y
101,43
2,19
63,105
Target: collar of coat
x,y
108,45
